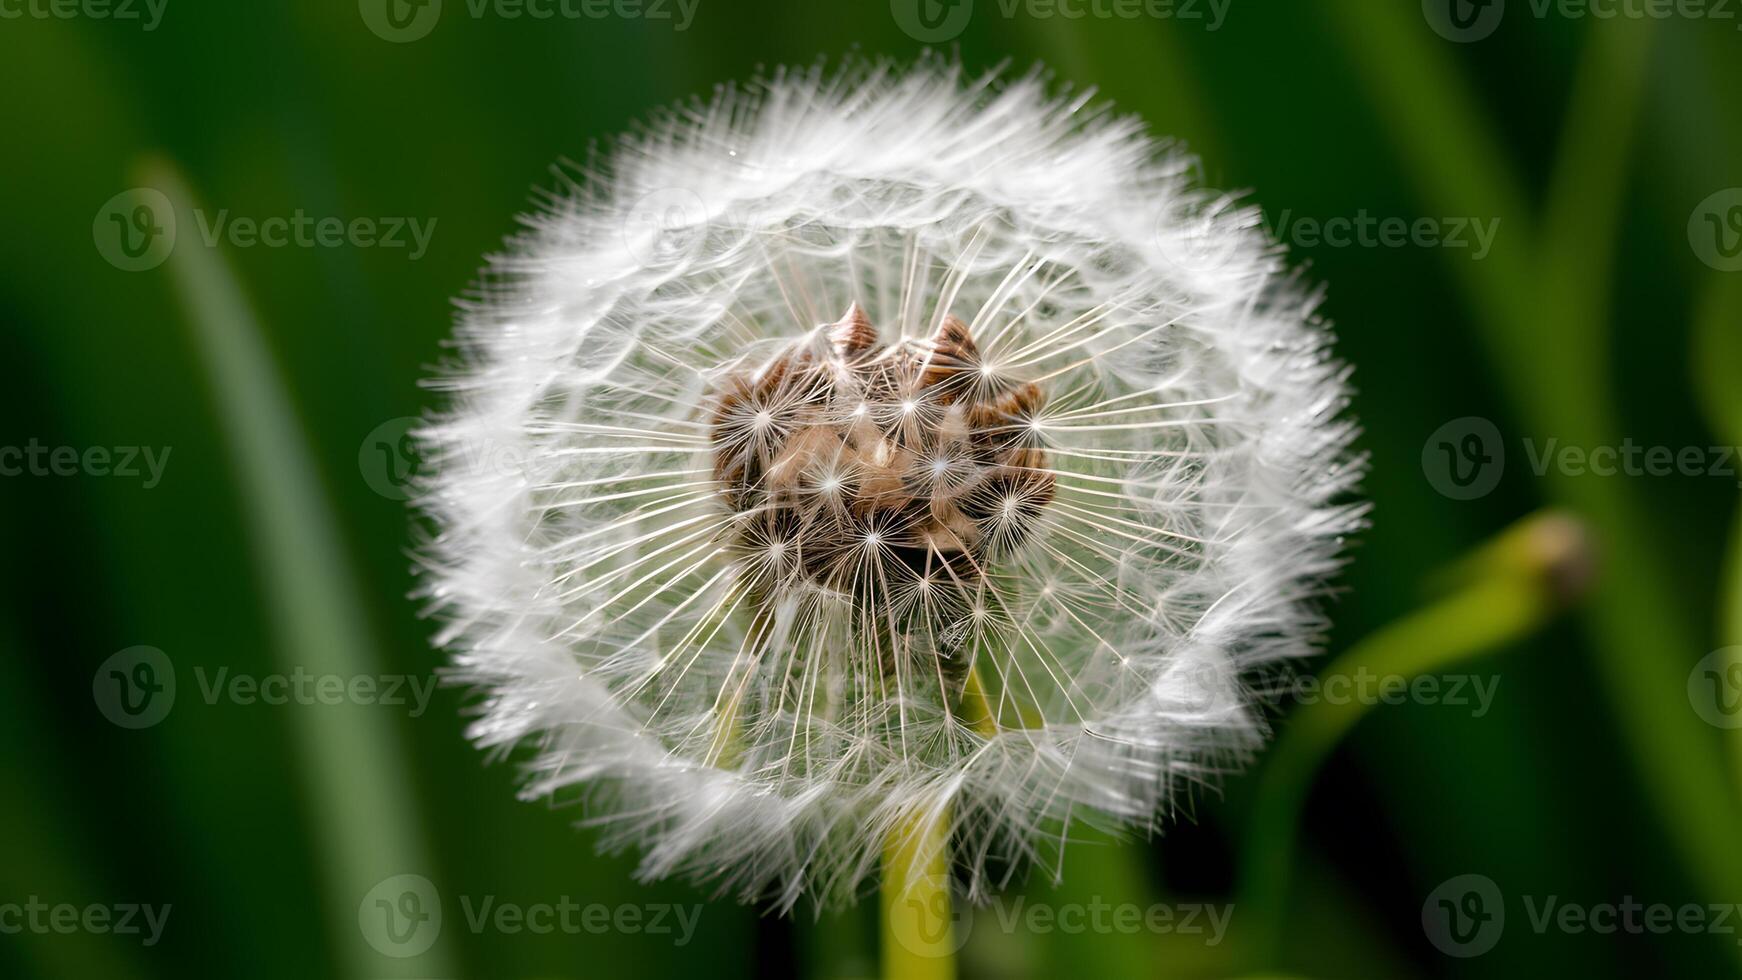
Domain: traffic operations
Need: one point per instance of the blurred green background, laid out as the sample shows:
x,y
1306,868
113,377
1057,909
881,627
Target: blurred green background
x,y
1598,150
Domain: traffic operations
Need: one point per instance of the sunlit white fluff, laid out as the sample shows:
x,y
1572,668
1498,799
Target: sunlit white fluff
x,y
740,722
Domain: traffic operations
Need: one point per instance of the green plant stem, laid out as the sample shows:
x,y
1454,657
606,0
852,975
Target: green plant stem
x,y
1645,643
1730,603
1509,589
917,926
355,772
918,933
1543,313
1717,363
977,709
1717,360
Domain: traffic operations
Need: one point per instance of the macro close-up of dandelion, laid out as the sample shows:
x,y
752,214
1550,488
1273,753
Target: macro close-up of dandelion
x,y
945,459
918,490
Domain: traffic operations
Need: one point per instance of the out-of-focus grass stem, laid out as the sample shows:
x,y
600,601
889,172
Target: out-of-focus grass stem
x,y
1509,589
1543,303
1717,363
356,774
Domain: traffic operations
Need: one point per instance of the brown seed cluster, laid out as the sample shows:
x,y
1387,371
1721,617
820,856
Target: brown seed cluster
x,y
880,470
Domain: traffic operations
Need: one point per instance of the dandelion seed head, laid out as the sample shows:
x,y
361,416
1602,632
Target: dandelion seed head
x,y
839,393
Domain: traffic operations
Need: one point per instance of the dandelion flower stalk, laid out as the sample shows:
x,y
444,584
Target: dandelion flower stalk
x,y
919,941
882,468
1503,592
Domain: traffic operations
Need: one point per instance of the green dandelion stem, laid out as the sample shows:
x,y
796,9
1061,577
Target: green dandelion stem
x,y
1510,588
1541,300
918,932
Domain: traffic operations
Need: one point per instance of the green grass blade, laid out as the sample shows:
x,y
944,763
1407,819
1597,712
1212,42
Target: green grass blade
x,y
1512,588
1717,364
1545,321
357,777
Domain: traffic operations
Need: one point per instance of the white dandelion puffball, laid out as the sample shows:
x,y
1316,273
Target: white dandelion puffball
x,y
877,442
